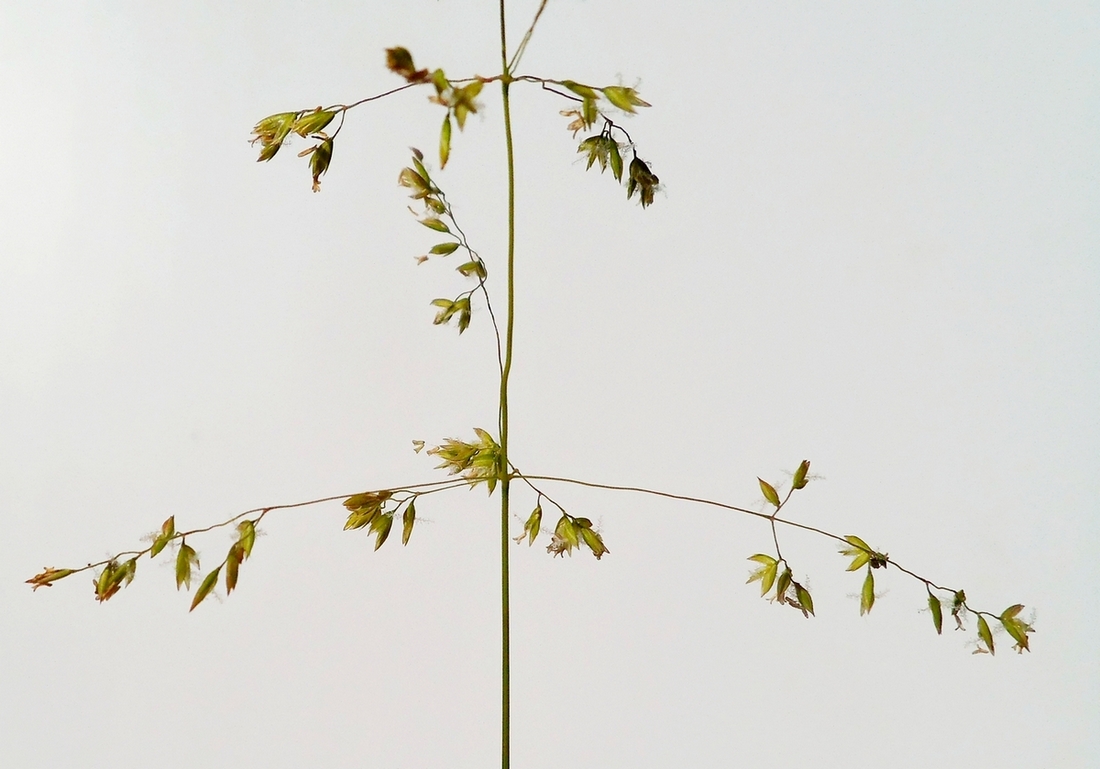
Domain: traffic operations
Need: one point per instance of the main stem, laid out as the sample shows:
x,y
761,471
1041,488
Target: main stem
x,y
505,481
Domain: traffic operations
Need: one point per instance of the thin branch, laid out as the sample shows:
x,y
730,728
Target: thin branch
x,y
773,518
609,124
526,38
346,107
527,479
480,278
432,486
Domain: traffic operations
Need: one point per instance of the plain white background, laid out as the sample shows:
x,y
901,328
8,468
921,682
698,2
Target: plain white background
x,y
877,248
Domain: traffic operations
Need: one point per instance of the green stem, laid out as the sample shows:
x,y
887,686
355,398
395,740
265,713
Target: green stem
x,y
505,483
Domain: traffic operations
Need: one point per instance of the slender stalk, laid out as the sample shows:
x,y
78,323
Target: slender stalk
x,y
505,482
526,38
